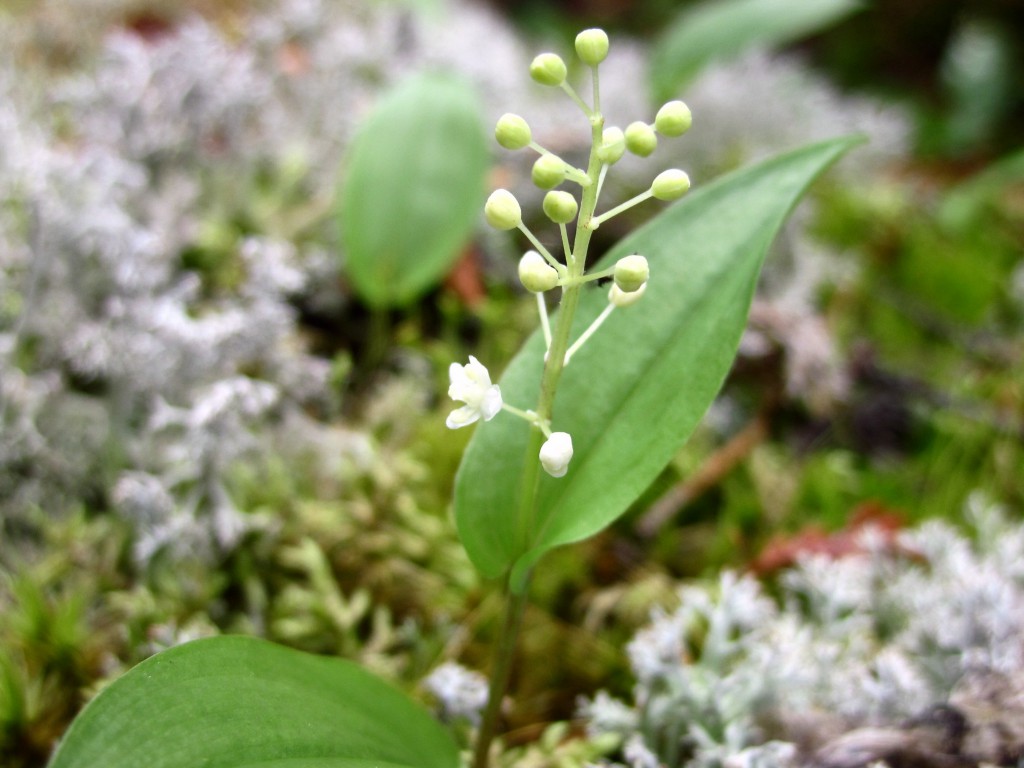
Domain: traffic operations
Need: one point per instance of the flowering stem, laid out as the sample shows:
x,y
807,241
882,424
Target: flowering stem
x,y
589,332
623,207
592,276
579,102
555,362
501,672
529,416
541,249
539,149
545,324
558,345
600,178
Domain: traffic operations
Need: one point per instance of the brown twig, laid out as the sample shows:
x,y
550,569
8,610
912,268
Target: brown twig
x,y
708,475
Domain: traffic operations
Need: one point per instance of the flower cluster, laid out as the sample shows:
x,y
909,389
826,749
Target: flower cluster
x,y
539,270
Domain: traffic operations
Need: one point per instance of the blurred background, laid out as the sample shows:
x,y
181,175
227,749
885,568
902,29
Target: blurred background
x,y
240,243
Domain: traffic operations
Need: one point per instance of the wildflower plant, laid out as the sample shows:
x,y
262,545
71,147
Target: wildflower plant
x,y
583,419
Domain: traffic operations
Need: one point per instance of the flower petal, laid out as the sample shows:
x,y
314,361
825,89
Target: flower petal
x,y
462,417
491,404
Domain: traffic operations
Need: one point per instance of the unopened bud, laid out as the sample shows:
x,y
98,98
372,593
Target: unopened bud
x,y
556,453
613,146
502,210
512,132
641,139
631,273
560,207
592,46
548,172
673,119
548,69
535,274
671,184
620,298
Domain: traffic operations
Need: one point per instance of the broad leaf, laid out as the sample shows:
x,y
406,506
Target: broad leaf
x,y
632,396
722,28
411,196
239,702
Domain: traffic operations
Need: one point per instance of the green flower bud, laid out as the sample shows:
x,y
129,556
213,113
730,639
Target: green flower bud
x,y
560,207
548,172
673,119
548,69
613,146
592,46
512,132
621,299
641,139
631,273
671,184
502,210
535,274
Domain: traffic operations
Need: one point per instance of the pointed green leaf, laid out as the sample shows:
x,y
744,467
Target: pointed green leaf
x,y
632,396
722,28
412,189
239,702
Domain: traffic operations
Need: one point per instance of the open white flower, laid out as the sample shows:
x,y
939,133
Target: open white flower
x,y
471,384
556,453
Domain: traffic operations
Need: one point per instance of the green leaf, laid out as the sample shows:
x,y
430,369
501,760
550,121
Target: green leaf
x,y
722,28
964,203
631,397
239,702
411,196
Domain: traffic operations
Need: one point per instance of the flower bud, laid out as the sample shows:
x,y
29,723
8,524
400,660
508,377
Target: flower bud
x,y
671,184
641,139
673,119
556,453
548,172
512,132
592,46
621,299
613,146
560,207
535,274
548,69
631,272
502,210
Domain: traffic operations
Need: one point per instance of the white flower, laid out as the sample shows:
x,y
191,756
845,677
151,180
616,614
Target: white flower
x,y
462,693
471,384
556,453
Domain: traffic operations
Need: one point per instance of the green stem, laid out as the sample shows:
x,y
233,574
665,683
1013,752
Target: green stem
x,y
623,207
515,594
545,323
541,249
501,672
571,292
585,336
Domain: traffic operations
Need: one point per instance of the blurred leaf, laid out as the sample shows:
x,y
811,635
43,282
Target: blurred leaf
x,y
723,28
963,204
979,72
238,702
632,396
412,190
